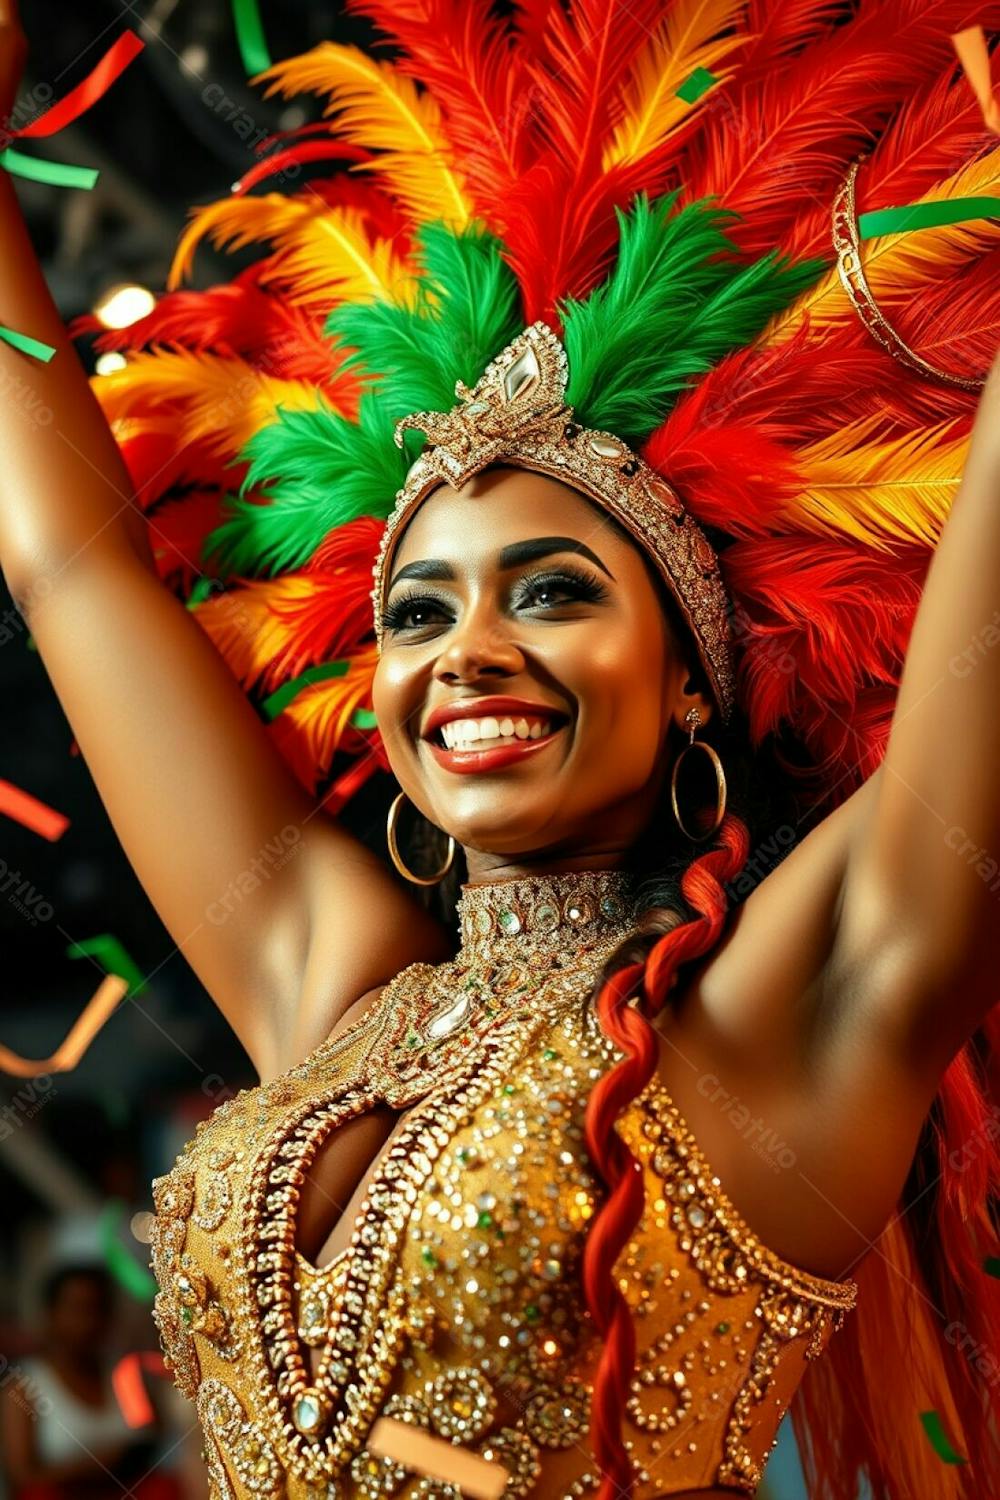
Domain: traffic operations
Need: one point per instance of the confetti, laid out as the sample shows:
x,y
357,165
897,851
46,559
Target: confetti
x,y
27,810
79,99
363,718
934,1428
136,1280
54,173
250,36
86,1026
926,215
973,54
200,592
93,87
130,1388
475,1476
273,705
111,954
26,344
695,85
344,788
991,1265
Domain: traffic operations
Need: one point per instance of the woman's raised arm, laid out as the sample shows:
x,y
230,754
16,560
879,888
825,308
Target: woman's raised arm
x,y
922,870
286,917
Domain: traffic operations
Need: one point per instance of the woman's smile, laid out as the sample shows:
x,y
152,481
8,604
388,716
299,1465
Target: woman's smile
x,y
492,752
487,733
526,645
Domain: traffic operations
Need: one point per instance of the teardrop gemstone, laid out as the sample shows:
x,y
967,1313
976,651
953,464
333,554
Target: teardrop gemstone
x,y
447,1021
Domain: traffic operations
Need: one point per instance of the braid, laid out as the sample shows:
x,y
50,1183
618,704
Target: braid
x,y
628,1026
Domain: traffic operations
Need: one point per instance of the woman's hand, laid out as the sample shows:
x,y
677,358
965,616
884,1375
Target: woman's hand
x,y
13,55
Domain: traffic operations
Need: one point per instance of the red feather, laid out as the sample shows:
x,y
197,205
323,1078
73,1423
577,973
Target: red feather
x,y
176,531
241,320
532,19
846,742
157,462
328,622
590,50
777,145
300,151
561,234
809,385
352,545
465,59
780,28
831,613
937,131
957,324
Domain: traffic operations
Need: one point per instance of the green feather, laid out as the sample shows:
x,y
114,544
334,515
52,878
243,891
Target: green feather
x,y
677,300
317,470
467,308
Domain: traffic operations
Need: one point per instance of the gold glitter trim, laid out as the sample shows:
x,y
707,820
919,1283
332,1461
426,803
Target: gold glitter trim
x,y
847,244
517,414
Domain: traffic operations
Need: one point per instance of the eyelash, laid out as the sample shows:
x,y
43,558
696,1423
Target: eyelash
x,y
586,586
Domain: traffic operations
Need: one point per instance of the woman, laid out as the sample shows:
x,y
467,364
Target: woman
x,y
65,1436
583,1198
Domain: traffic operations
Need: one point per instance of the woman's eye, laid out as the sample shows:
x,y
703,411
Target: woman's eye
x,y
413,611
409,612
557,588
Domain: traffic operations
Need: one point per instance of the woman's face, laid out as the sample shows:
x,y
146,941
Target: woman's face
x,y
516,586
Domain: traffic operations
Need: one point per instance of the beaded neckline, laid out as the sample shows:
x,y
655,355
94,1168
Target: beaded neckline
x,y
566,912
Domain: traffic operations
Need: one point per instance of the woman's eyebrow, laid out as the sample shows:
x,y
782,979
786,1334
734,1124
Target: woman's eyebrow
x,y
509,557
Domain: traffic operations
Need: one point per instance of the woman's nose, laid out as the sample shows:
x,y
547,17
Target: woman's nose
x,y
480,643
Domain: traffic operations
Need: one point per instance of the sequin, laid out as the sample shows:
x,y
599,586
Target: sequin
x,y
457,1304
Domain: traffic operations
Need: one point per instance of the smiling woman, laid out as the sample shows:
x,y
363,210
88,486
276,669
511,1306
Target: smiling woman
x,y
582,647
594,513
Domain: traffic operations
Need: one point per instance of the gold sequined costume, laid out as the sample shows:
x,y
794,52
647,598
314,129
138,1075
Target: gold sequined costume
x,y
458,1305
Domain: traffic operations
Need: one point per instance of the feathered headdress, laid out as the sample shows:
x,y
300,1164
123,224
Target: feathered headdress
x,y
674,191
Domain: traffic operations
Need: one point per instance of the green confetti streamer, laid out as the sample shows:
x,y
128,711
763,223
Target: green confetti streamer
x,y
695,85
113,958
203,587
250,37
926,215
27,344
363,718
136,1280
54,173
991,1265
934,1428
280,699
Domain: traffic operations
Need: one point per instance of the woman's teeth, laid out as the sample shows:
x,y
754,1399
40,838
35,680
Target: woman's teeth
x,y
461,734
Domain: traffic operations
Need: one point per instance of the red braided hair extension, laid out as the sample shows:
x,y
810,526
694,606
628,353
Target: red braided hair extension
x,y
627,1025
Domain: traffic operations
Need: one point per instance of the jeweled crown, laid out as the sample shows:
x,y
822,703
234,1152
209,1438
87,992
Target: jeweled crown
x,y
517,414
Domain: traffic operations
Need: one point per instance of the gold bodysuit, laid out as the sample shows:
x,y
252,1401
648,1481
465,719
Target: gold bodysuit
x,y
457,1305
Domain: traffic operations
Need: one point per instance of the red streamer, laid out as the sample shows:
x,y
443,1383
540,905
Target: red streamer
x,y
93,87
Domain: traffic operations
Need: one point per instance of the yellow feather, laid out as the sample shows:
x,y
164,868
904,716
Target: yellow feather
x,y
313,726
222,402
896,266
380,108
875,490
321,254
687,39
248,627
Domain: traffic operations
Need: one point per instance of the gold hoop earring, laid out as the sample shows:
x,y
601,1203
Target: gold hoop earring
x,y
692,719
395,856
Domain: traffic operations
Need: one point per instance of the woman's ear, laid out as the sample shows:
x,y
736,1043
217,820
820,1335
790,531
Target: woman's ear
x,y
691,695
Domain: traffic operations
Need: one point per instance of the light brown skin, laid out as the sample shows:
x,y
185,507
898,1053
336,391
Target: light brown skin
x,y
843,986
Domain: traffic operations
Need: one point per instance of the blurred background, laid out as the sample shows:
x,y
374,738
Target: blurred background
x,y
78,1150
